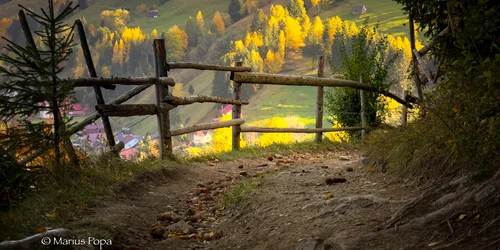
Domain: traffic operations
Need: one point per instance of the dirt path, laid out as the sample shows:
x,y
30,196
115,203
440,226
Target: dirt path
x,y
290,207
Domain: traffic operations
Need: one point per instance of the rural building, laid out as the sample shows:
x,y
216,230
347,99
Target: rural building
x,y
152,13
202,137
359,9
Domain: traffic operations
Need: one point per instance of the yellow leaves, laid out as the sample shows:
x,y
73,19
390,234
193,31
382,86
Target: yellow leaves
x,y
199,19
219,23
328,196
461,217
41,229
239,46
223,137
433,244
52,215
273,62
318,28
134,35
178,90
293,32
154,33
268,139
253,39
314,3
340,136
106,72
454,109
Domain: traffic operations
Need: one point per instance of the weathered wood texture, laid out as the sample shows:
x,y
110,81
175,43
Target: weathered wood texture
x,y
237,95
97,90
363,110
297,130
160,55
201,99
206,126
416,78
200,66
278,79
320,98
124,110
423,66
88,82
434,41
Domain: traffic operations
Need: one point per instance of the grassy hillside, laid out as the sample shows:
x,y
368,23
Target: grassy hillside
x,y
387,12
173,12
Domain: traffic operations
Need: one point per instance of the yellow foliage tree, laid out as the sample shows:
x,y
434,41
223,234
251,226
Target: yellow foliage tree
x,y
273,62
268,139
219,24
106,72
294,35
154,33
79,71
318,28
223,137
340,136
178,89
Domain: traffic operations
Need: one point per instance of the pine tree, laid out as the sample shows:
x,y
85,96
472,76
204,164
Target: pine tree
x,y
221,85
235,10
34,79
296,8
191,90
192,33
259,22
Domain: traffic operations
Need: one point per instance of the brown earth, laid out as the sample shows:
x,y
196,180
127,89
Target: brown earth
x,y
326,200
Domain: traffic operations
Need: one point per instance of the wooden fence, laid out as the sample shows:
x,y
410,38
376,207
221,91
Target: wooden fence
x,y
165,102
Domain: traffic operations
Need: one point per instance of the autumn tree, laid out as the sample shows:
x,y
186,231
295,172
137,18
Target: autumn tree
x,y
259,22
176,43
273,62
222,137
178,89
267,139
218,27
296,8
294,35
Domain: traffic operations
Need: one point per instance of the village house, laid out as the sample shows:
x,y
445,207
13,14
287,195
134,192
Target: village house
x,y
358,9
152,13
227,110
202,138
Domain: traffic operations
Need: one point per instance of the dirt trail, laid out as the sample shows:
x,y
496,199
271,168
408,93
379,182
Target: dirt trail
x,y
291,207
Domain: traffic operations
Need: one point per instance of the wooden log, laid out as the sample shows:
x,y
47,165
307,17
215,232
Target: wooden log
x,y
90,119
363,110
434,41
206,126
278,79
296,130
423,66
160,55
97,90
200,66
201,99
416,78
124,110
237,95
319,101
87,82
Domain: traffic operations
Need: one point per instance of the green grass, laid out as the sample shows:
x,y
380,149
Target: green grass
x,y
387,12
239,192
173,12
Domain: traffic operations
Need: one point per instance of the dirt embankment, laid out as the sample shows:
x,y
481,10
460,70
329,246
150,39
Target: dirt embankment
x,y
327,200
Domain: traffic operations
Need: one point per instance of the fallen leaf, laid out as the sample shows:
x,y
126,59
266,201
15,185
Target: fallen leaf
x,y
130,173
476,217
51,215
370,170
359,223
328,196
41,229
434,244
455,110
461,217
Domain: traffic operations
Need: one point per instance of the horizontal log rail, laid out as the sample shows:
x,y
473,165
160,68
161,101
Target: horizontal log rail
x,y
434,41
90,119
206,126
125,110
278,79
89,82
297,130
200,99
200,66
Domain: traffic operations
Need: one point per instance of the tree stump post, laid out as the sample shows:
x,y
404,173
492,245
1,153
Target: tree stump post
x,y
319,102
363,110
165,140
237,95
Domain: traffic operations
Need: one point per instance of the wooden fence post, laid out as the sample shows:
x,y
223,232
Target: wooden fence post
x,y
165,140
414,63
237,95
319,103
404,113
363,114
97,90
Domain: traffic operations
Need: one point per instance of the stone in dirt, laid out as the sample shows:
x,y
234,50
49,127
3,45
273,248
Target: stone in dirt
x,y
349,169
181,227
278,156
331,181
344,158
309,244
